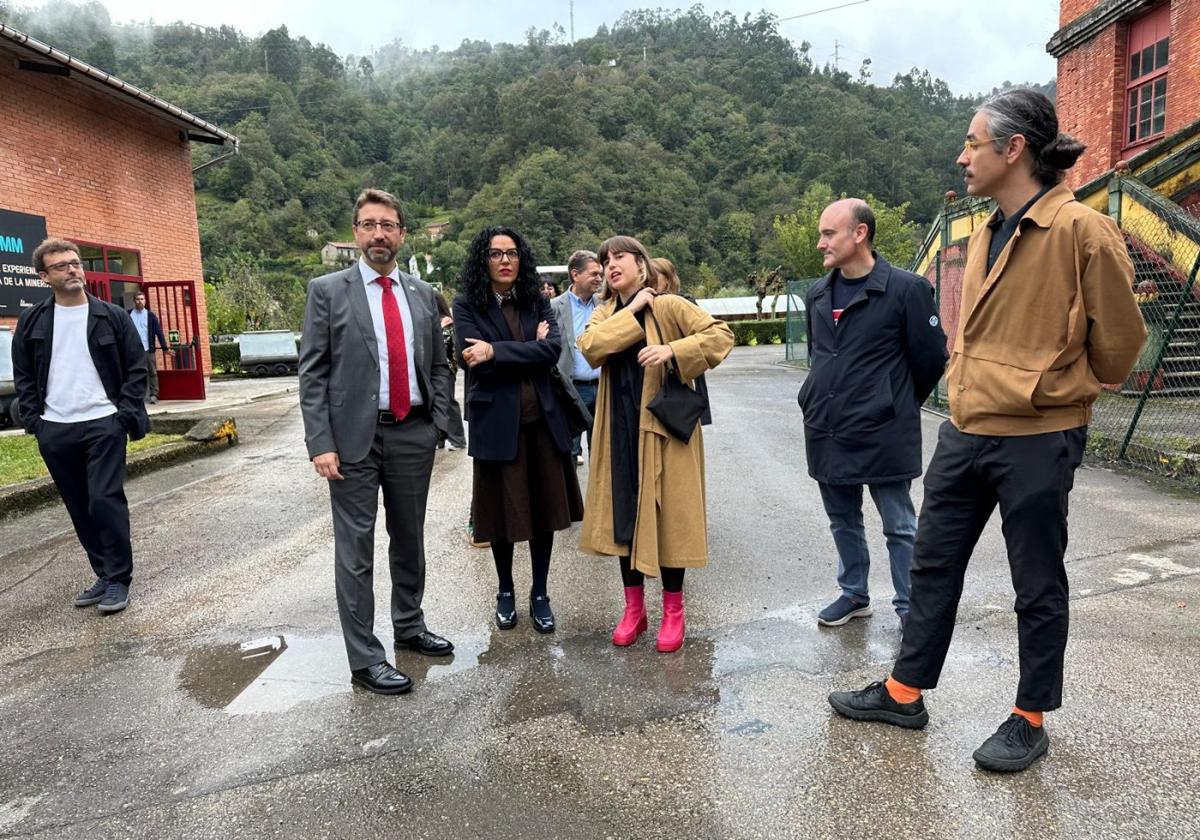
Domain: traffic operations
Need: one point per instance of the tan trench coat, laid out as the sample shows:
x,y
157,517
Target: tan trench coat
x,y
671,528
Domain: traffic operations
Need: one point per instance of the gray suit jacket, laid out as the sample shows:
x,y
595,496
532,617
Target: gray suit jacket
x,y
339,363
561,306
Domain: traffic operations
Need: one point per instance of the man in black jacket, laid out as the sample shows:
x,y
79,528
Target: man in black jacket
x,y
80,373
876,350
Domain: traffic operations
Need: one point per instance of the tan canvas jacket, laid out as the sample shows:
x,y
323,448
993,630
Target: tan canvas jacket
x,y
1054,318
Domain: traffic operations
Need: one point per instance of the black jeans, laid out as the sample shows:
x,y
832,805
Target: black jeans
x,y
87,462
1030,478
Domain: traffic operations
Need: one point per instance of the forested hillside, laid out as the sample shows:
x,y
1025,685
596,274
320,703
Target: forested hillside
x,y
694,131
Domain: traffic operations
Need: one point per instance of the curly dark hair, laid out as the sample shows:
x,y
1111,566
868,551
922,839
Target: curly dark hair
x,y
476,285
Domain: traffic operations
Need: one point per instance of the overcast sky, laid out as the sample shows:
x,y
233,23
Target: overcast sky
x,y
972,44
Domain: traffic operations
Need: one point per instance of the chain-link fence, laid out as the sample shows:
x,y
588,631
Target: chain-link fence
x,y
796,350
1151,419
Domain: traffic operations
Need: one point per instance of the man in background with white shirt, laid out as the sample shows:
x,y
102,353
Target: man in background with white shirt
x,y
80,372
149,330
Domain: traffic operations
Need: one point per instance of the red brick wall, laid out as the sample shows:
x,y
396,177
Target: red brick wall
x,y
101,171
1091,96
1183,77
1091,86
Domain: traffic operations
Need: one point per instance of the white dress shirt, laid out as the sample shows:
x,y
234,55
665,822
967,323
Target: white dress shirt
x,y
375,302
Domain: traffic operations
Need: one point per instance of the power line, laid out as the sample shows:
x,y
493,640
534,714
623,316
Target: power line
x,y
821,11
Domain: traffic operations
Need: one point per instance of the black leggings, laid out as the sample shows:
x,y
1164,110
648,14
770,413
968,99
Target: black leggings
x,y
672,579
539,549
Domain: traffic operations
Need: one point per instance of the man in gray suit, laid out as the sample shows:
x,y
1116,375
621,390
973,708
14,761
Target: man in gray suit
x,y
374,390
572,310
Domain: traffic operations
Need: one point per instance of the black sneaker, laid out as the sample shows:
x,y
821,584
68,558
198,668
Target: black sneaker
x,y
92,594
874,703
1014,746
841,611
116,598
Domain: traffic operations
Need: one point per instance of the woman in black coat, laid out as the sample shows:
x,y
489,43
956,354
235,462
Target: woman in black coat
x,y
524,487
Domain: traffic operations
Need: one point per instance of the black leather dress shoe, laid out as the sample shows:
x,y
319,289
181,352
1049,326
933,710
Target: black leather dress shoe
x,y
506,610
427,643
381,678
540,613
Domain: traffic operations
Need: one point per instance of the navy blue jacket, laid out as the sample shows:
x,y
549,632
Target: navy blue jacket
x,y
493,389
868,377
153,329
116,350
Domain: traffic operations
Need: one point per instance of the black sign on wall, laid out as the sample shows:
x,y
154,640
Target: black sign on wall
x,y
20,286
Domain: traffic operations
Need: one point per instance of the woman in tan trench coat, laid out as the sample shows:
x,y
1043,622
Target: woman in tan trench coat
x,y
645,497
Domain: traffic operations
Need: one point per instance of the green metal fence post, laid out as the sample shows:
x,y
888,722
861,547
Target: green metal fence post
x,y
1158,360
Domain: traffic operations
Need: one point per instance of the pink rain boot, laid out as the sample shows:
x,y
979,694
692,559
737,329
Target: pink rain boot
x,y
670,634
633,623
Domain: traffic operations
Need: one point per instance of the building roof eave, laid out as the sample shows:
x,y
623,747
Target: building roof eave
x,y
1090,24
195,128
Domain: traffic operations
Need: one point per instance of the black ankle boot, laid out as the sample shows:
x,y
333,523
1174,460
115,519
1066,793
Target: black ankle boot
x,y
540,613
506,610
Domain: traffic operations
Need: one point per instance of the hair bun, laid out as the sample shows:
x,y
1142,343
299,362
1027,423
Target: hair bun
x,y
1062,152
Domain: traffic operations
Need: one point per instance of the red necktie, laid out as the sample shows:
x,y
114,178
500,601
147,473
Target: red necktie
x,y
397,350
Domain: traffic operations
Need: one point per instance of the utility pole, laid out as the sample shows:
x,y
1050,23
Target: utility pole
x,y
837,56
643,54
572,21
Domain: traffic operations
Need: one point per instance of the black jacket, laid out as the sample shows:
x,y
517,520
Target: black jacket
x,y
116,350
493,389
869,376
153,330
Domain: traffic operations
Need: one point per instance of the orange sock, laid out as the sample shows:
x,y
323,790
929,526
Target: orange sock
x,y
1034,718
900,692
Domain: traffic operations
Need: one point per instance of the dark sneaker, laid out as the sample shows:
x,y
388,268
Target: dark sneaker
x,y
841,611
874,703
92,594
116,598
1016,745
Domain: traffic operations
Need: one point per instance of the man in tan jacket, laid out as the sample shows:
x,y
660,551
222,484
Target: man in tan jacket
x,y
1047,314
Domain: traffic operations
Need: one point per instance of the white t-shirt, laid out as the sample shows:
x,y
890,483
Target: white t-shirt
x,y
74,392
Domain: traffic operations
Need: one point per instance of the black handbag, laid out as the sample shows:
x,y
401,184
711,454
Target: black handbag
x,y
677,405
579,419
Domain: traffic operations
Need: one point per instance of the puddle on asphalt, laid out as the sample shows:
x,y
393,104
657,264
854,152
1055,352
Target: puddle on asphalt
x,y
603,687
275,673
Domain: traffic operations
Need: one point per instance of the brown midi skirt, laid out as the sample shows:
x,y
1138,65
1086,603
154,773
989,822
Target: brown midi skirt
x,y
535,492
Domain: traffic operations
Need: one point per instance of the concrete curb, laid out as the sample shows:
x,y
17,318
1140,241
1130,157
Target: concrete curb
x,y
28,495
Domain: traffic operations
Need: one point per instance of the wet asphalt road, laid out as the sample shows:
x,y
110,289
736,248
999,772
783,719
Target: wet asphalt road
x,y
219,704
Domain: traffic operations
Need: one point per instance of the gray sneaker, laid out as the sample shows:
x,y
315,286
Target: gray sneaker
x,y
841,611
116,598
92,595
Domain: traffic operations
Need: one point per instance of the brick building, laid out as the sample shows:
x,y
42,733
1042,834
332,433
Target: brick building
x,y
88,157
1128,77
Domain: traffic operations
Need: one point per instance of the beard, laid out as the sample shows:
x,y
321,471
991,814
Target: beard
x,y
380,253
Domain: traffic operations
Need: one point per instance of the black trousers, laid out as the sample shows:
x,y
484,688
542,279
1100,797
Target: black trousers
x,y
1030,478
87,462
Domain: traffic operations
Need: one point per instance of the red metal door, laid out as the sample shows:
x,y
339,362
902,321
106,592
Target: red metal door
x,y
180,364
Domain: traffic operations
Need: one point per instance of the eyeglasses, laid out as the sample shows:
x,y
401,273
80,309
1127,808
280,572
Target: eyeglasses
x,y
972,145
369,225
495,255
63,266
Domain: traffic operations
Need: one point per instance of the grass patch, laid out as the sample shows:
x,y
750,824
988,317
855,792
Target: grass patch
x,y
21,461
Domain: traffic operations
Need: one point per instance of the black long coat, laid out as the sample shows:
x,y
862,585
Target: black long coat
x,y
868,377
493,389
